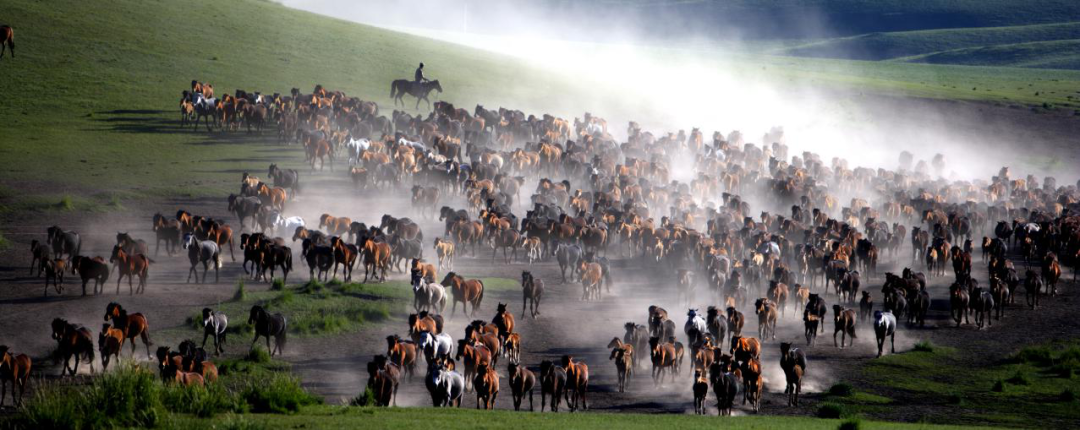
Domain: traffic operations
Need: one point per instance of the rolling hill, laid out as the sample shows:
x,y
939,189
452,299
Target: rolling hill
x,y
90,104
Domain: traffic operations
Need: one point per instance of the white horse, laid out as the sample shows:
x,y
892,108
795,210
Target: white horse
x,y
885,326
279,222
205,252
695,326
436,345
356,148
415,145
429,296
447,387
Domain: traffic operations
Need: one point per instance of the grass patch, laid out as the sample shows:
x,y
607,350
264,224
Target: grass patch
x,y
1030,382
4,242
924,346
315,308
240,293
842,389
851,424
831,410
366,398
134,396
278,284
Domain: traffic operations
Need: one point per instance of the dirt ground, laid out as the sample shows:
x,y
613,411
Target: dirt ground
x,y
333,366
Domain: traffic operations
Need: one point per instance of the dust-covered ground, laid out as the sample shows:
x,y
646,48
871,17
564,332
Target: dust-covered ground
x,y
333,366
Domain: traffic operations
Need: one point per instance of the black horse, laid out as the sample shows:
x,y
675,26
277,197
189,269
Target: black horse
x,y
400,87
64,242
267,325
285,178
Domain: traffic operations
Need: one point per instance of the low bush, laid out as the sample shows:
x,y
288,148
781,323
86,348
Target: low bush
x,y
851,424
842,389
831,410
924,346
367,398
279,393
1019,378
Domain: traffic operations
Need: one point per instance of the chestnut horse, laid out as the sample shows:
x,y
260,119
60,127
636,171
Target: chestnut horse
x,y
130,266
16,368
577,381
75,341
465,291
133,325
7,39
110,340
486,384
376,259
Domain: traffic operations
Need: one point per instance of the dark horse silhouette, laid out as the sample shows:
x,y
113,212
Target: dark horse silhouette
x,y
400,87
7,39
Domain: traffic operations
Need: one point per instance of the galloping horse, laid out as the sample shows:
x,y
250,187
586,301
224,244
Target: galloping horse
x,y
204,251
133,325
130,266
400,87
267,325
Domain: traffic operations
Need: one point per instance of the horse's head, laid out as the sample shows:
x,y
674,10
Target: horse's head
x,y
113,310
256,314
59,326
435,84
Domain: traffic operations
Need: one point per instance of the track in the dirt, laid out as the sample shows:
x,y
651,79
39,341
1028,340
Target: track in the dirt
x,y
333,366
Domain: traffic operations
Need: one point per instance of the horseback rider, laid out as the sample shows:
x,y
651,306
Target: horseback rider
x,y
419,76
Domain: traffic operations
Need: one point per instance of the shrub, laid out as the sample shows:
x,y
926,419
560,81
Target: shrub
x,y
851,424
240,422
65,204
1067,396
830,410
278,284
279,393
999,386
241,292
128,397
842,389
283,299
367,398
1041,355
114,202
1019,378
257,355
954,399
312,287
203,402
924,346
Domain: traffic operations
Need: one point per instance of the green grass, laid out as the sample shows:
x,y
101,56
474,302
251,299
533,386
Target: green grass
x,y
134,396
1031,382
335,417
317,309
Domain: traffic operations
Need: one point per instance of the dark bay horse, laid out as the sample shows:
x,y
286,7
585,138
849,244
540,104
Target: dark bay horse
x,y
267,325
7,39
400,87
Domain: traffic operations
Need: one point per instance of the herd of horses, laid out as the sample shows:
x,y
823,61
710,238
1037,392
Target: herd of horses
x,y
598,198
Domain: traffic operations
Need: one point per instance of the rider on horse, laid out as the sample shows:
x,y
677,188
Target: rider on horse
x,y
419,76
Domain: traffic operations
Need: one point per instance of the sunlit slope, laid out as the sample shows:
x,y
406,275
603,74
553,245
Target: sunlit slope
x,y
90,103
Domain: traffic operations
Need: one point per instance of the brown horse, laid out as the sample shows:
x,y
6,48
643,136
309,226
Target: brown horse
x,y
522,380
376,259
486,384
623,355
445,250
753,382
424,322
504,320
402,353
130,266
320,151
16,368
577,381
187,379
778,294
664,356
110,340
472,355
75,341
7,39
465,291
133,325
845,324
766,312
426,270
222,234
383,379
272,197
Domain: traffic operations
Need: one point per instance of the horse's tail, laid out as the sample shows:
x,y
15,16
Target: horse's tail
x,y
217,260
480,298
393,89
288,261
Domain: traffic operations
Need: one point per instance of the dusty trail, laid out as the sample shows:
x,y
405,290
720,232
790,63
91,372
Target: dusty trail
x,y
333,365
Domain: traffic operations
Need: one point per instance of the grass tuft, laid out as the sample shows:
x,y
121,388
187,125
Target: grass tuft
x,y
1067,396
367,398
65,204
240,293
831,410
841,389
924,346
999,386
278,284
851,424
1019,378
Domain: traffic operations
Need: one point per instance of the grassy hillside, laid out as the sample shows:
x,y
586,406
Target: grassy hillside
x,y
90,110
